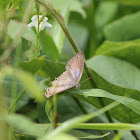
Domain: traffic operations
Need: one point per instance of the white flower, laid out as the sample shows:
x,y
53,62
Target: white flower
x,y
42,24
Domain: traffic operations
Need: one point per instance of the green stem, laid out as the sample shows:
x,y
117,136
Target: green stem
x,y
14,83
135,135
16,100
37,30
49,7
54,111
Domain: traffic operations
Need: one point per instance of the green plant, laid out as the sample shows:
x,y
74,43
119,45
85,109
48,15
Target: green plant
x,y
106,106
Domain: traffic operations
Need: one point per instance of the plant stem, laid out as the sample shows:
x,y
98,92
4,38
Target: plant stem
x,y
54,111
16,100
49,7
37,38
14,83
135,134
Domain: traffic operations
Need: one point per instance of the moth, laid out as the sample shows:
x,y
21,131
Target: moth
x,y
70,78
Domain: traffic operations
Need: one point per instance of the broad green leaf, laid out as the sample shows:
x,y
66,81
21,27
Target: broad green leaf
x,y
126,28
26,79
130,103
49,46
25,125
33,65
129,51
125,114
115,71
127,2
105,13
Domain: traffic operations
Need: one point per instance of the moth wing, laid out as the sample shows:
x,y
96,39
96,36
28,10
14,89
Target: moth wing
x,y
75,66
63,79
54,90
63,83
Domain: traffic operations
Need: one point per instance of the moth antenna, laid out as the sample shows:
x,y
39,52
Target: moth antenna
x,y
85,80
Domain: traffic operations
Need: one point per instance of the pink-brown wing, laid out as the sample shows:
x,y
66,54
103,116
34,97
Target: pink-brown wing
x,y
54,90
63,82
63,79
75,66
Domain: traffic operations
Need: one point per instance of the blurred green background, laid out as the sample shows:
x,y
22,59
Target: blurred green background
x,y
29,60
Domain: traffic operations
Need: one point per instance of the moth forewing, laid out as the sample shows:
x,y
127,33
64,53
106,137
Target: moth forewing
x,y
70,78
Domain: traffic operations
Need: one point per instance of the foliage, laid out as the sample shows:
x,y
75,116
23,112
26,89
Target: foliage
x,y
106,105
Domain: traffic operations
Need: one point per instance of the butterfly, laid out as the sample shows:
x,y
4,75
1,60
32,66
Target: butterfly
x,y
70,78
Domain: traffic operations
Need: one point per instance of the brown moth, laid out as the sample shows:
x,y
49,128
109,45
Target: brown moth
x,y
70,78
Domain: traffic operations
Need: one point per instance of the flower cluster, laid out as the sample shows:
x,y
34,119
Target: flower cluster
x,y
42,24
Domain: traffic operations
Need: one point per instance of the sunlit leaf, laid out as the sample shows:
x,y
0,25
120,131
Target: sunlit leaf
x,y
130,103
127,2
128,51
49,46
115,71
126,28
33,65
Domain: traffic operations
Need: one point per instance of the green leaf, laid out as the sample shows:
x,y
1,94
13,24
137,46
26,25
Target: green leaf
x,y
127,2
61,136
126,28
71,5
26,79
77,6
49,46
25,125
53,69
115,71
105,13
129,51
83,135
125,114
33,65
130,103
